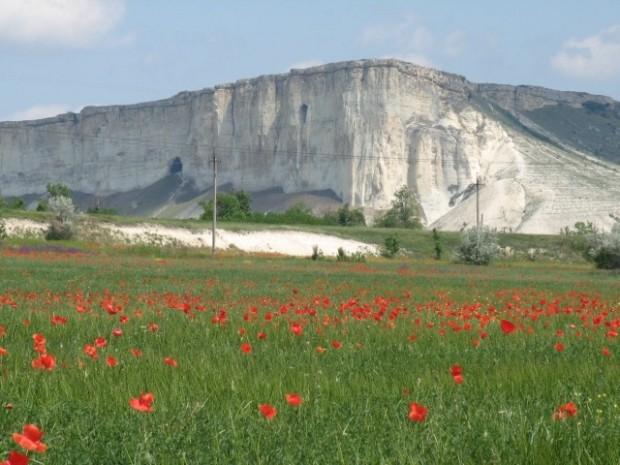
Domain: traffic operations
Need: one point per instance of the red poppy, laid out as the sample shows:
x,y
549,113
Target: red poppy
x,y
44,362
153,327
58,320
136,352
565,411
91,351
170,362
559,347
294,399
417,412
297,329
336,344
3,352
457,374
111,361
246,348
101,342
268,411
15,458
320,349
606,352
262,336
117,332
30,439
507,327
143,403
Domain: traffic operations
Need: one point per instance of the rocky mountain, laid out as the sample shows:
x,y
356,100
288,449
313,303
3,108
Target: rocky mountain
x,y
345,132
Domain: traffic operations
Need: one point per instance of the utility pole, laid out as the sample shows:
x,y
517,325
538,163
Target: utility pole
x,y
214,203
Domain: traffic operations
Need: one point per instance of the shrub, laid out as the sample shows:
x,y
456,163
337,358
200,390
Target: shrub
x,y
347,216
61,227
42,206
3,232
101,211
230,207
478,246
604,249
58,190
437,246
391,247
317,254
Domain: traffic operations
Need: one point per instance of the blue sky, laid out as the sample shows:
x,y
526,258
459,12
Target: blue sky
x,y
58,55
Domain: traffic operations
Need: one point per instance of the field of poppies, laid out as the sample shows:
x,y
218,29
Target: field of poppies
x,y
112,357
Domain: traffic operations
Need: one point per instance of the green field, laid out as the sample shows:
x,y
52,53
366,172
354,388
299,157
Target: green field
x,y
375,337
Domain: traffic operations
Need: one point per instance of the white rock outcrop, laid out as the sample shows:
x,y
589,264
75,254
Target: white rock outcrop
x,y
361,129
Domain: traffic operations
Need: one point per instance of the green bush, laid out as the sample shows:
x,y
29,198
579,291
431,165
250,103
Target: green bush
x,y
58,190
347,216
3,232
61,227
230,207
604,249
391,247
478,246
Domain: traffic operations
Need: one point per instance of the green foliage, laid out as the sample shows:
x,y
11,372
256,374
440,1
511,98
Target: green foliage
x,y
42,206
604,249
437,244
577,239
391,246
233,206
478,246
58,190
17,204
343,256
346,216
403,213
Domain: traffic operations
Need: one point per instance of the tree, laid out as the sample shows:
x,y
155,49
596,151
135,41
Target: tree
x,y
230,207
404,211
58,190
350,216
437,247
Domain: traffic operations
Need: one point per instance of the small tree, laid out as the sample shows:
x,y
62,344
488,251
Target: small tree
x,y
391,247
478,246
61,227
58,190
234,206
404,211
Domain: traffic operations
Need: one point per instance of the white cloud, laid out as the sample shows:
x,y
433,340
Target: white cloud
x,y
306,64
41,111
594,57
410,40
73,23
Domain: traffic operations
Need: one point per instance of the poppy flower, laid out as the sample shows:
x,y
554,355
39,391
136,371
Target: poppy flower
x,y
457,374
320,349
91,351
170,362
559,347
153,327
58,320
101,342
268,411
246,348
507,326
143,403
136,352
336,344
606,352
3,352
417,412
44,362
15,458
297,329
111,361
117,332
30,439
294,399
262,336
565,411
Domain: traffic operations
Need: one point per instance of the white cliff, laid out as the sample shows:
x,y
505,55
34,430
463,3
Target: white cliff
x,y
359,129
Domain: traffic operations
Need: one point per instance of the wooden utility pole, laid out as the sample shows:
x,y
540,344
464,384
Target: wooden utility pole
x,y
214,203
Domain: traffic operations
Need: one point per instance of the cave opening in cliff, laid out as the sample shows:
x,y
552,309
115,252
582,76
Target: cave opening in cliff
x,y
303,113
176,166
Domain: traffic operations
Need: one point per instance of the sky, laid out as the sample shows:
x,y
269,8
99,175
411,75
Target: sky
x,y
61,55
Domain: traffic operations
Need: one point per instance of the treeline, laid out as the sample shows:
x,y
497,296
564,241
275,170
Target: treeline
x,y
236,206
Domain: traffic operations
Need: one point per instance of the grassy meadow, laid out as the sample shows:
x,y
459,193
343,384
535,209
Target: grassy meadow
x,y
212,339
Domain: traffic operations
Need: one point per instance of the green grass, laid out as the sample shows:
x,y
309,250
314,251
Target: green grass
x,y
355,410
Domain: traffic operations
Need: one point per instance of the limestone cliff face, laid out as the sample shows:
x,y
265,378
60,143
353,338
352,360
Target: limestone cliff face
x,y
361,129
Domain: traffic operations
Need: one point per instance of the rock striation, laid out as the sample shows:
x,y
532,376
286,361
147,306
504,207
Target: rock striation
x,y
358,130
